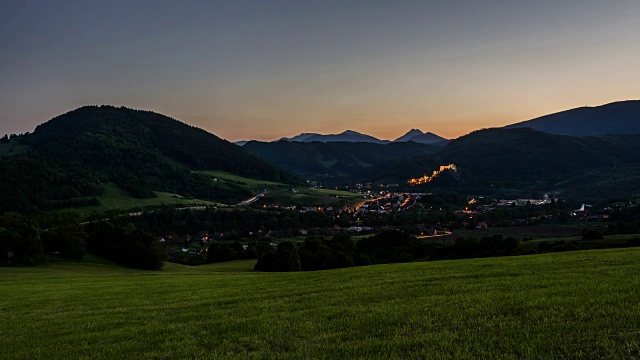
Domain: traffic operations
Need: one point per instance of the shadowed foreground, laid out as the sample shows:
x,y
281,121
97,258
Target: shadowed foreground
x,y
562,305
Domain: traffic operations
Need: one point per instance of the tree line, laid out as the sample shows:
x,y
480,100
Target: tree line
x,y
340,251
25,240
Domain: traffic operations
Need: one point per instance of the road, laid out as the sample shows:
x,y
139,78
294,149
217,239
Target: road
x,y
252,200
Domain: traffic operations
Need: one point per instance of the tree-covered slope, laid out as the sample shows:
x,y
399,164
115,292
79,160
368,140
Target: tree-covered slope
x,y
529,155
515,158
622,117
105,136
520,158
334,158
72,155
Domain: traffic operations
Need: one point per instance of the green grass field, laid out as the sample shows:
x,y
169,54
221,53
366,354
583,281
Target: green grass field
x,y
618,240
256,184
537,232
313,197
561,305
117,198
283,194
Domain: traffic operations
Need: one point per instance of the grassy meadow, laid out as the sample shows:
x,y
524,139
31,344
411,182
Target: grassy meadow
x,y
531,232
283,194
561,305
116,198
313,197
254,184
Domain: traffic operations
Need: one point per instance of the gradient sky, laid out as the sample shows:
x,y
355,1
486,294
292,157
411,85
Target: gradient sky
x,y
268,69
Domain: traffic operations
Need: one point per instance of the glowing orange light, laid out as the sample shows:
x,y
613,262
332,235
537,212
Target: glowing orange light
x,y
425,179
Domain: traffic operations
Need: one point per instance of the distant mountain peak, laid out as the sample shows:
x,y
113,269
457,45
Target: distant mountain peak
x,y
345,136
418,136
350,132
407,137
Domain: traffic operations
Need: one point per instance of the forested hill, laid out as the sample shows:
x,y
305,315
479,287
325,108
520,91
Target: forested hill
x,y
317,159
526,158
73,155
622,117
106,135
530,155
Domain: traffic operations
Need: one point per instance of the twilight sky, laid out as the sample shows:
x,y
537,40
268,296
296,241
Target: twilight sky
x,y
267,69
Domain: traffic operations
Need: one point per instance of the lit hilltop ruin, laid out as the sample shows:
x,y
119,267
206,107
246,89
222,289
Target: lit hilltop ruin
x,y
425,179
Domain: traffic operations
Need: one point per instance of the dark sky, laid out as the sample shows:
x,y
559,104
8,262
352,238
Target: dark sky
x,y
267,69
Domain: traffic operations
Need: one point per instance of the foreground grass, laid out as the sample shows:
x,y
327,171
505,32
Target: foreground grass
x,y
562,305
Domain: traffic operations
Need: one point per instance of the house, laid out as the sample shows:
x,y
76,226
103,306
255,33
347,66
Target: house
x,y
6,256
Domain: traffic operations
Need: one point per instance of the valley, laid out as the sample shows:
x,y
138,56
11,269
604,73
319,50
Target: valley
x,y
319,180
439,241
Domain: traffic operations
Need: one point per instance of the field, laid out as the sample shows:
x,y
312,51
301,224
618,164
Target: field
x,y
539,232
563,305
254,184
284,195
313,197
117,198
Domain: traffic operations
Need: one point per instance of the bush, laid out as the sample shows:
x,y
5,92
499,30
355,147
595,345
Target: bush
x,y
218,252
284,258
65,234
592,235
21,237
633,242
318,254
125,245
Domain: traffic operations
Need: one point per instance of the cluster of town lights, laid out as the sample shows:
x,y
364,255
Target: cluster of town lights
x,y
425,179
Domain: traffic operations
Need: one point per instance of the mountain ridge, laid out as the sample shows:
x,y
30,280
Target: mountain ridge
x,y
414,135
524,158
322,159
345,136
621,117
